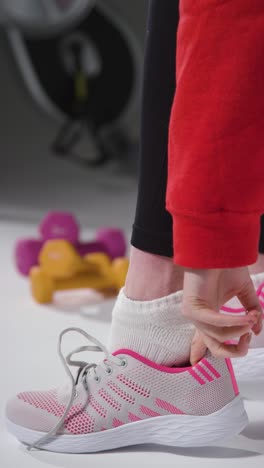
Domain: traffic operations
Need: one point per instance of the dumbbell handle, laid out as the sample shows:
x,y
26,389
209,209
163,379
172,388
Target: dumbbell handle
x,y
85,248
84,280
43,294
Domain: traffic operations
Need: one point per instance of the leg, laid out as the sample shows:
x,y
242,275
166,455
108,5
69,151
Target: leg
x,y
150,321
152,230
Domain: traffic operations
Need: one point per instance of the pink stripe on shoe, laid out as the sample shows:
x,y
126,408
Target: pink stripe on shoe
x,y
232,375
196,376
260,289
203,371
117,423
133,386
124,395
147,362
168,407
148,411
233,311
133,417
211,368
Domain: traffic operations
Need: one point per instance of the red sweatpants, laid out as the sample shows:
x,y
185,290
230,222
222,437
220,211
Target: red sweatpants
x,y
216,140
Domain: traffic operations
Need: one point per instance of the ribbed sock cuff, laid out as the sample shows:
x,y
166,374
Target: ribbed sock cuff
x,y
155,329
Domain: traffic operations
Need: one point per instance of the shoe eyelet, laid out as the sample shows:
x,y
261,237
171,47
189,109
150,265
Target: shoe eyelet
x,y
97,379
109,370
123,362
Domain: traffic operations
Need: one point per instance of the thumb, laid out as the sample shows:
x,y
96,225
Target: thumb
x,y
249,300
198,348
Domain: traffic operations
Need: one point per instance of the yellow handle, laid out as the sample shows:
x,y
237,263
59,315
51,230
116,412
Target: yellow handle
x,y
81,86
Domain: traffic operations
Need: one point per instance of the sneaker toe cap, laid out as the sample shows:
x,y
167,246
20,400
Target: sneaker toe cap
x,y
23,414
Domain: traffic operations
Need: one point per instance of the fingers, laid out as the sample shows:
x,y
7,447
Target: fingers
x,y
258,315
223,334
202,342
216,319
248,298
222,350
198,348
204,293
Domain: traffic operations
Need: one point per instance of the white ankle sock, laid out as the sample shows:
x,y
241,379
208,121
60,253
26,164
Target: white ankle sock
x,y
155,329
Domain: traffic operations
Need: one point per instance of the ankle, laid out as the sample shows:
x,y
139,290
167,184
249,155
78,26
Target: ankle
x,y
152,276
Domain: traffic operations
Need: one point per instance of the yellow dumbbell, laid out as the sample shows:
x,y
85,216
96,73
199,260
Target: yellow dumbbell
x,y
59,259
44,285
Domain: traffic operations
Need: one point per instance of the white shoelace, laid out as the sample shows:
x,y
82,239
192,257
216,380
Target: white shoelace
x,y
85,369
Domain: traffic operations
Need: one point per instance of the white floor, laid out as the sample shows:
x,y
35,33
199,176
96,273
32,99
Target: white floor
x,y
28,338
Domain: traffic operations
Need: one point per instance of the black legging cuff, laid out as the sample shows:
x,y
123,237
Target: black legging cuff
x,y
158,243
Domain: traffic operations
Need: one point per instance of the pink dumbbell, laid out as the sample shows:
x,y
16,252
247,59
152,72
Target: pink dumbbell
x,y
55,225
58,225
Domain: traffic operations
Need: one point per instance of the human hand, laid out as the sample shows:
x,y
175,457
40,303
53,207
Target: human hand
x,y
204,293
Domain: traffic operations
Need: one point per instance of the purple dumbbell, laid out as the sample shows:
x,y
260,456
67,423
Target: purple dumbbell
x,y
55,225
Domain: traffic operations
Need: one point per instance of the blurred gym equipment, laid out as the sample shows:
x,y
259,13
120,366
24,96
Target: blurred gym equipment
x,y
82,65
43,17
94,271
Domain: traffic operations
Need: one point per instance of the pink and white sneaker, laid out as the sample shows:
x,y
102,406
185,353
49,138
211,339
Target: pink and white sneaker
x,y
250,367
128,400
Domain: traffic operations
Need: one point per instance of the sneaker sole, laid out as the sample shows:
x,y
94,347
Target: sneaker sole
x,y
172,430
251,366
